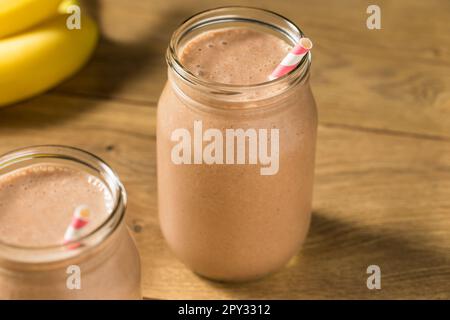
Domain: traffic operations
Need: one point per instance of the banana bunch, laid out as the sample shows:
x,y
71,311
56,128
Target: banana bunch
x,y
37,49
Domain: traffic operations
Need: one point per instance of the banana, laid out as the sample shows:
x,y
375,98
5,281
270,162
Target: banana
x,y
34,61
65,5
19,15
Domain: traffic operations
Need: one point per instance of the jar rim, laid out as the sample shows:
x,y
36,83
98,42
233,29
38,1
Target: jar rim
x,y
84,159
219,15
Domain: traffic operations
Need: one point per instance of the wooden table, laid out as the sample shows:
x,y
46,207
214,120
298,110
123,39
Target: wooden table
x,y
382,193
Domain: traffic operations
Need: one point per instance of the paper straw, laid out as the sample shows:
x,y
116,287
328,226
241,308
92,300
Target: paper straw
x,y
292,59
80,219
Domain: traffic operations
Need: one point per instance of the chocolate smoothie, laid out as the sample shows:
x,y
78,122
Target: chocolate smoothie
x,y
40,188
37,203
237,56
223,217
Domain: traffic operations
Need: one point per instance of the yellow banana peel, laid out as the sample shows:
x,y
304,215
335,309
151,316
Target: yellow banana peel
x,y
43,56
19,15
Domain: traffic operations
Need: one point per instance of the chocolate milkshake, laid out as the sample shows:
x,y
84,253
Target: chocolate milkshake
x,y
31,211
235,150
239,56
40,188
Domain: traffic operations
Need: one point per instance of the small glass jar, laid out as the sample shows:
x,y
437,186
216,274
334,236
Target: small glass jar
x,y
106,261
230,222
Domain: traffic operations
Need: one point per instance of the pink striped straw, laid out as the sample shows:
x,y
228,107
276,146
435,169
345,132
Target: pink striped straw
x,y
292,59
80,219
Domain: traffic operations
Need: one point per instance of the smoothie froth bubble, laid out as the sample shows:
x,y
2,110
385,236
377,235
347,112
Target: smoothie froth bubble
x,y
238,56
37,203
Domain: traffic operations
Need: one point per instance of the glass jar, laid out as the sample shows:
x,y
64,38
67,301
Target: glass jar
x,y
106,262
234,222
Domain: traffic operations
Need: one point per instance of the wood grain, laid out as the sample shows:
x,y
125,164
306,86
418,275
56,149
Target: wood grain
x,y
379,199
383,159
397,78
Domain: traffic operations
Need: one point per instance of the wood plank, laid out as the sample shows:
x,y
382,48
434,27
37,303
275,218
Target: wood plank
x,y
379,199
395,79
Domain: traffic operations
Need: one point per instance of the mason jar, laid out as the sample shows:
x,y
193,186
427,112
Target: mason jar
x,y
241,218
103,264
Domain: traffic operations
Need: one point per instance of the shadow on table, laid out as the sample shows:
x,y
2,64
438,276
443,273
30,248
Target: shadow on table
x,y
114,64
333,263
104,75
